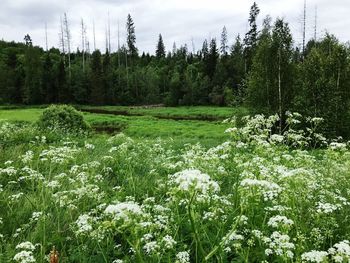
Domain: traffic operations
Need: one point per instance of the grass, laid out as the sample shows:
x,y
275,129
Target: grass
x,y
149,126
26,114
197,111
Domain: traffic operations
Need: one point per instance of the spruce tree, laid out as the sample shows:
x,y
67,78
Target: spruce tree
x,y
160,51
131,37
250,39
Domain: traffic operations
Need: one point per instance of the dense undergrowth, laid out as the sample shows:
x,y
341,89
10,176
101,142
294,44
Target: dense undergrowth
x,y
259,197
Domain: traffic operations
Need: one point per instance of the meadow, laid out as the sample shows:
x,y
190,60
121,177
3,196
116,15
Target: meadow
x,y
165,190
152,123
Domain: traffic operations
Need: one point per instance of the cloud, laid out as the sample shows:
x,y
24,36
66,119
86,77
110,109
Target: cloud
x,y
179,21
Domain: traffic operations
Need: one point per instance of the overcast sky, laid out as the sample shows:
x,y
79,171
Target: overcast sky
x,y
178,21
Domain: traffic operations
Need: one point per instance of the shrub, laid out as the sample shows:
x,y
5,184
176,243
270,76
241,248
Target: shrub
x,y
63,118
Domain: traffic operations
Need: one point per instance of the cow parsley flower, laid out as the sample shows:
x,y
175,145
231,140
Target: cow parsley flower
x,y
151,247
89,146
27,157
279,244
24,257
189,180
326,208
169,242
278,221
269,190
314,256
183,257
26,246
340,252
123,211
84,224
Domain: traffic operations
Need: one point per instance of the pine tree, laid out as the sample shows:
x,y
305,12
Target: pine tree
x,y
160,51
131,37
28,40
250,39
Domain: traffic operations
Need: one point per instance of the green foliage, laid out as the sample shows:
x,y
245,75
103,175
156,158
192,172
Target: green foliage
x,y
252,198
324,80
160,51
131,37
63,118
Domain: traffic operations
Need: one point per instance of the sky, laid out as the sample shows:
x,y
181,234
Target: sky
x,y
181,21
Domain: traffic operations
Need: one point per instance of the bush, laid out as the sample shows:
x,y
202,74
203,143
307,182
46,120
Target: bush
x,y
63,118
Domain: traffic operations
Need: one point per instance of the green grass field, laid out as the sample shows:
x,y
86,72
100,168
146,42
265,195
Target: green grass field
x,y
149,126
197,111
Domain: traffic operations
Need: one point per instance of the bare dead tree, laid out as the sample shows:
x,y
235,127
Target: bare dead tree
x,y
83,41
106,39
193,46
315,28
118,45
109,34
68,37
304,27
93,29
47,46
61,37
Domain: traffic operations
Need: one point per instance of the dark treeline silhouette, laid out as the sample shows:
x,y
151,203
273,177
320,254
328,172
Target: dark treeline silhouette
x,y
263,70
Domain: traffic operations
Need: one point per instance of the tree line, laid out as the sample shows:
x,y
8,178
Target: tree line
x,y
263,69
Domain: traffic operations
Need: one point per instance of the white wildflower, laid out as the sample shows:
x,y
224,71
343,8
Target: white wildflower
x,y
89,146
24,257
27,157
326,208
314,256
183,257
340,252
151,247
189,180
278,221
26,246
84,224
124,210
169,242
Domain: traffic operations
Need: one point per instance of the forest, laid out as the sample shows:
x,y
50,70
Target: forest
x,y
264,70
